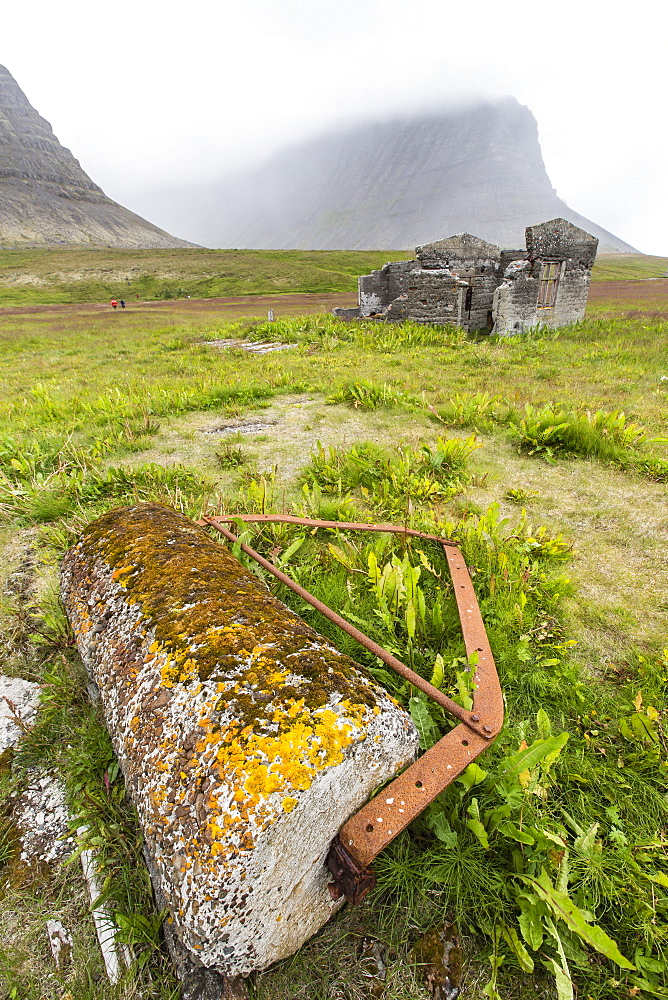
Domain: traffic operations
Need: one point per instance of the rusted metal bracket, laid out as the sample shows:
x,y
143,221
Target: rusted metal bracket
x,y
377,823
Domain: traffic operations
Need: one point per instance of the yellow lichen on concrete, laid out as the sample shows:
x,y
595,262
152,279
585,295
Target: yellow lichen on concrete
x,y
226,710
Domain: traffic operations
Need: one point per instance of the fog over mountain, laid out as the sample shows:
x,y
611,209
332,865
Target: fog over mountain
x,y
385,185
46,198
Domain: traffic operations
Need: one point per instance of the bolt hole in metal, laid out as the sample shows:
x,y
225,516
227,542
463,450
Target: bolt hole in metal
x,y
418,784
369,828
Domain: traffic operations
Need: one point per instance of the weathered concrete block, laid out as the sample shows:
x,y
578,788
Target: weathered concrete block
x,y
246,740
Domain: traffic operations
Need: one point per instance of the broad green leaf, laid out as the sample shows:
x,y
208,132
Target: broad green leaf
x,y
338,554
475,825
472,776
529,921
417,706
410,619
562,979
653,991
658,877
514,832
523,956
355,618
562,973
291,549
437,822
586,843
438,672
421,604
555,838
543,723
425,562
533,755
563,907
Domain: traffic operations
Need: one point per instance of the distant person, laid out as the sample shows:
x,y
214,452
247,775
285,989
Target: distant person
x,y
114,303
122,304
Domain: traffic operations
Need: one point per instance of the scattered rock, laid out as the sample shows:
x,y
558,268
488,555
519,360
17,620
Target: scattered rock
x,y
20,580
250,346
42,819
374,968
439,960
18,704
252,426
60,941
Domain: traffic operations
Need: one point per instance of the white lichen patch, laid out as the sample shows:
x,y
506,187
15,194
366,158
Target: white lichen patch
x,y
42,819
242,768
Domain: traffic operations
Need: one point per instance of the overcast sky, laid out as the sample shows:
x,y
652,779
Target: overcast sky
x,y
148,92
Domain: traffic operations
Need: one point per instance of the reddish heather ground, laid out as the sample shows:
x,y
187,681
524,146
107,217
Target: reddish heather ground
x,y
645,298
250,306
642,298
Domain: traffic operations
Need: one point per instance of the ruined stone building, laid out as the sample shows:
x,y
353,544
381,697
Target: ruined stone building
x,y
465,281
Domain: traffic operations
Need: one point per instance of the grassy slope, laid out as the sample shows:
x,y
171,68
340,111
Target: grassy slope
x,y
77,275
138,388
74,275
629,267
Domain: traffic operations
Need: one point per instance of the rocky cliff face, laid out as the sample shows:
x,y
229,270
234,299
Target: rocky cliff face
x,y
45,196
392,186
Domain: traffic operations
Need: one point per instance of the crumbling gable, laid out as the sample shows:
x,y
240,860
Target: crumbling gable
x,y
468,282
550,287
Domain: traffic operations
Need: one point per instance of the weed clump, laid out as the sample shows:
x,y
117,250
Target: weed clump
x,y
392,480
365,395
229,457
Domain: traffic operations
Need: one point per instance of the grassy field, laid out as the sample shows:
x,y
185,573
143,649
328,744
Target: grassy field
x,y
71,275
544,456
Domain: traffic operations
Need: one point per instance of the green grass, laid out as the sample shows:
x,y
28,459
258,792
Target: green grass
x,y
628,267
73,275
568,809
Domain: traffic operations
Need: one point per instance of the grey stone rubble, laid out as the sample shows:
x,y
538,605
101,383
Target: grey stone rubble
x,y
250,426
42,818
60,942
253,347
40,812
18,705
464,281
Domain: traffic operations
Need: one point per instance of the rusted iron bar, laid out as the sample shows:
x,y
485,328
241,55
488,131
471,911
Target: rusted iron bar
x,y
378,822
401,668
309,522
371,829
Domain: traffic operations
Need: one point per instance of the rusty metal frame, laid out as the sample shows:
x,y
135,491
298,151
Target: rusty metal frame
x,y
364,835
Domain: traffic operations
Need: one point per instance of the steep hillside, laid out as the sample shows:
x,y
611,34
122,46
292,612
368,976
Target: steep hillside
x,y
45,196
387,185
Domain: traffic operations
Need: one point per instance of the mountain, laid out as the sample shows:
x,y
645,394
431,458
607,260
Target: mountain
x,y
46,198
387,185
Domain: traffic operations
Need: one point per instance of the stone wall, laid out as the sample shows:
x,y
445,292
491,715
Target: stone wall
x,y
434,296
245,739
515,299
380,288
